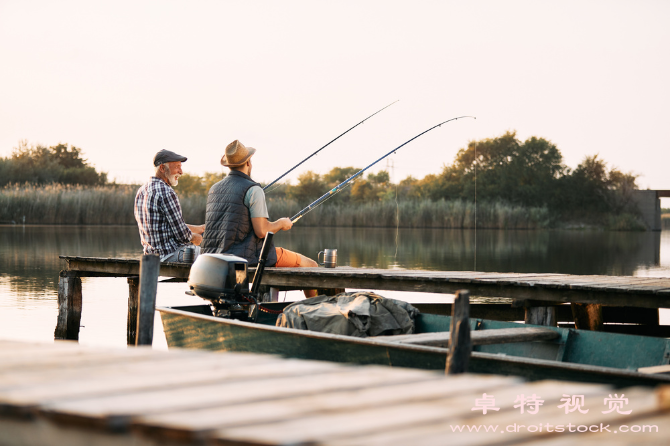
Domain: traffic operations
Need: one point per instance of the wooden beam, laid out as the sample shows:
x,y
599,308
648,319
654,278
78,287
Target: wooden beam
x,y
440,282
122,267
588,316
69,306
478,337
149,267
460,344
541,316
133,300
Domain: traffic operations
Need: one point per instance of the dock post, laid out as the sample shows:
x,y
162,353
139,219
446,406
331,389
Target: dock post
x,y
149,269
69,306
133,297
541,316
587,316
460,344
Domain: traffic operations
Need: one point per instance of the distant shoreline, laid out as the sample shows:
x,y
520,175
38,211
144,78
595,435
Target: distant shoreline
x,y
104,206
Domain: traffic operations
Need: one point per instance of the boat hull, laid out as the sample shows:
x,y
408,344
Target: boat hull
x,y
188,329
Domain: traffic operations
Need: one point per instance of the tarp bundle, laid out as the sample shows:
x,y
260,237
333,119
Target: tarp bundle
x,y
359,314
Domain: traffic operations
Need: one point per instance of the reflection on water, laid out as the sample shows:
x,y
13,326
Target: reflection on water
x,y
570,252
29,264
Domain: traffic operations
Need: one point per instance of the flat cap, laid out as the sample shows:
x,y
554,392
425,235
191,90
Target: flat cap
x,y
165,156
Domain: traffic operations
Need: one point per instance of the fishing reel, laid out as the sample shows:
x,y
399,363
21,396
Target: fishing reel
x,y
222,279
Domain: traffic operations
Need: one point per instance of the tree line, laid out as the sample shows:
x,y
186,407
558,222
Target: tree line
x,y
39,165
528,173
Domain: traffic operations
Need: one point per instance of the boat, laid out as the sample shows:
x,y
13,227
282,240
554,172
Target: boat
x,y
503,348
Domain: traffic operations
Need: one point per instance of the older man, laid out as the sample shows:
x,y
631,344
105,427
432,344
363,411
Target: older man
x,y
237,216
158,212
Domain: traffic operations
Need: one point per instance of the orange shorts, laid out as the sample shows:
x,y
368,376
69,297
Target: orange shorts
x,y
287,259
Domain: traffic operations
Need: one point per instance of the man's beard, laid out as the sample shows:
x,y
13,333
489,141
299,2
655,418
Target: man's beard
x,y
172,179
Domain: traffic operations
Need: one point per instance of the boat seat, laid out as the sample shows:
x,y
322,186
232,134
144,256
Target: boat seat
x,y
664,369
479,337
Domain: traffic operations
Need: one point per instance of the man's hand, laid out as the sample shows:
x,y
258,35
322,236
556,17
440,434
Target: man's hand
x,y
196,239
197,229
262,226
284,223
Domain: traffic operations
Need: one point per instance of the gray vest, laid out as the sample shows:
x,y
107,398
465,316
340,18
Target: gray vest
x,y
228,228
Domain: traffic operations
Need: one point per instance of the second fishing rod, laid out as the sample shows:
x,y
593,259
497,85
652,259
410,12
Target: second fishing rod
x,y
343,184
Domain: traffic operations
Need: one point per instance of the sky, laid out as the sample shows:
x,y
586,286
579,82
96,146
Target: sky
x,y
124,79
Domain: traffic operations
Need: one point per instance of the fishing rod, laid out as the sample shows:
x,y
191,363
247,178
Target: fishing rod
x,y
292,168
340,186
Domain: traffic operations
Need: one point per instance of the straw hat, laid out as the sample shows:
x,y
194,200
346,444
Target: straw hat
x,y
236,154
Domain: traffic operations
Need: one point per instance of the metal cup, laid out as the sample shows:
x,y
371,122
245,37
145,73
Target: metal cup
x,y
329,258
189,253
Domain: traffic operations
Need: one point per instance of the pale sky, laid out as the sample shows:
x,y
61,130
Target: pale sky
x,y
124,79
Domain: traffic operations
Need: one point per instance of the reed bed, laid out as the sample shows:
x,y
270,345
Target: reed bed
x,y
418,214
665,221
67,205
77,205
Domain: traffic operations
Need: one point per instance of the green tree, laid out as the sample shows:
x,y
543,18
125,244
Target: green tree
x,y
310,187
198,185
522,173
38,164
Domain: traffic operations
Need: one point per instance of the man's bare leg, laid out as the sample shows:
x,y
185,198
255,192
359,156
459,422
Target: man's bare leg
x,y
306,262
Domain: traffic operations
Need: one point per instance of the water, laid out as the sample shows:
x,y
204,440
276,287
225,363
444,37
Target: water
x,y
29,266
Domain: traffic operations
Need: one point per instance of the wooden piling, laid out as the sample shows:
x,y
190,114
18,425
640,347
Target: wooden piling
x,y
460,344
133,298
69,306
587,316
149,268
541,316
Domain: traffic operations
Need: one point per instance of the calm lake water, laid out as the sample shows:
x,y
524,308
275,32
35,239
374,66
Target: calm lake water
x,y
29,266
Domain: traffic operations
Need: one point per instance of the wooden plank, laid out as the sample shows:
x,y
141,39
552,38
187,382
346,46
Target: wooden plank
x,y
479,337
357,425
620,291
439,432
193,425
122,267
116,411
655,369
23,400
653,432
127,366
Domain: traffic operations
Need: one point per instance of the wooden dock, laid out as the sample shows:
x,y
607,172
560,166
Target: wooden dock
x,y
641,292
64,393
537,298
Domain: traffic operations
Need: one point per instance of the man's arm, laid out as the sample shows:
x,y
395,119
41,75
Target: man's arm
x,y
262,225
172,211
196,229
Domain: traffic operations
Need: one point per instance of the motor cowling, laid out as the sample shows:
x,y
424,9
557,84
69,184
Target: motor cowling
x,y
214,276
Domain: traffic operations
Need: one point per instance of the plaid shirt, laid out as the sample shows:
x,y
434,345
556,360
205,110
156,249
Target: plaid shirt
x,y
158,215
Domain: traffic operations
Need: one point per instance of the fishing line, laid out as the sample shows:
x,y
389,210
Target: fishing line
x,y
337,188
397,223
475,268
332,141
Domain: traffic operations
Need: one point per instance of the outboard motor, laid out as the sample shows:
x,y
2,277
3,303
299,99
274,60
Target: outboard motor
x,y
222,279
